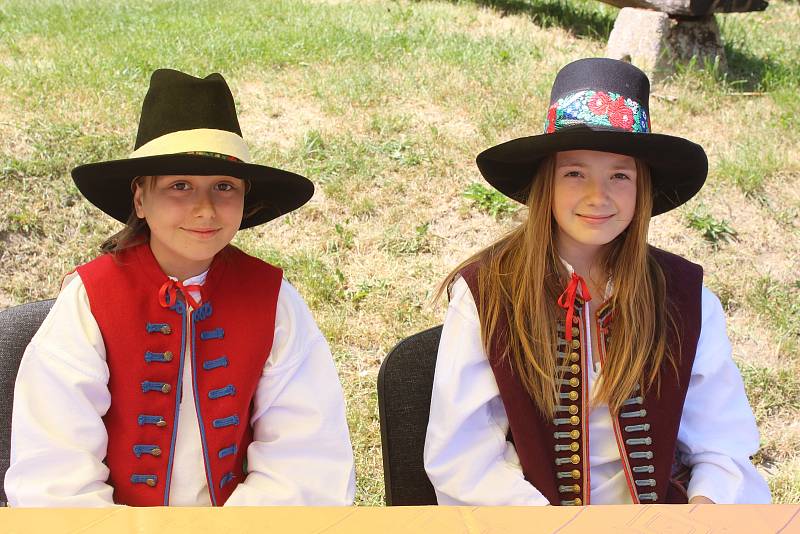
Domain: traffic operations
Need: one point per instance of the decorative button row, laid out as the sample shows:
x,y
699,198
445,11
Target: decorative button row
x,y
571,356
165,356
163,387
574,420
159,328
153,450
572,434
151,420
572,409
574,474
574,368
150,480
222,361
574,460
574,446
216,333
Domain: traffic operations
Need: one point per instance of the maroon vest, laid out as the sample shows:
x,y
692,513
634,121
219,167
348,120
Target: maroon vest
x,y
229,336
554,452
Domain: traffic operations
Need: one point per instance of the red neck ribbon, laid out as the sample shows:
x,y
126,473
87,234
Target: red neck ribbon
x,y
567,301
170,289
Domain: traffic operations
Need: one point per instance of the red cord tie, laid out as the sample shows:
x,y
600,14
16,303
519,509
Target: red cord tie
x,y
567,301
170,289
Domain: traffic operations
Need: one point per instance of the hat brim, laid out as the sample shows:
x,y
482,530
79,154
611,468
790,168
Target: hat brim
x,y
275,192
678,167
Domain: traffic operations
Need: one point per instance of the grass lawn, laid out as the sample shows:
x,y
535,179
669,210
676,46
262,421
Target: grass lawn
x,y
384,105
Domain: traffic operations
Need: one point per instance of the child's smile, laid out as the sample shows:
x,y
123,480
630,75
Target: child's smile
x,y
191,218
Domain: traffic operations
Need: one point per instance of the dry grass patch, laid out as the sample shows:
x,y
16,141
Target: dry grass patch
x,y
278,111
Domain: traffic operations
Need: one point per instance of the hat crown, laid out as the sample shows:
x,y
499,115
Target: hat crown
x,y
599,93
176,101
602,74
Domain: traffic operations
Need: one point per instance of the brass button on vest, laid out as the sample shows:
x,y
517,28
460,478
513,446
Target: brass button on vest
x,y
574,382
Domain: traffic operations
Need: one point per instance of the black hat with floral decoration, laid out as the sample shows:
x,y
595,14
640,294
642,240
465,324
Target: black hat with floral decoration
x,y
600,104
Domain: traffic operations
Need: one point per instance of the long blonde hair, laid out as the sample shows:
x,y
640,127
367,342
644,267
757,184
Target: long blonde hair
x,y
520,278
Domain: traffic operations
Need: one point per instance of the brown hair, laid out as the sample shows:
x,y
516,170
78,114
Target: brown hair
x,y
521,277
136,230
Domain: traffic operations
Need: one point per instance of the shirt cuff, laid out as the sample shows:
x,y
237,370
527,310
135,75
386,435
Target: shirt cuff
x,y
711,480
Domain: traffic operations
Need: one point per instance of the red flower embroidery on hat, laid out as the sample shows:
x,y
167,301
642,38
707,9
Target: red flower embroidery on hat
x,y
599,102
551,119
620,115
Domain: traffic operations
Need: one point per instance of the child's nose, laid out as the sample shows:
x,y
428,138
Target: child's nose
x,y
204,206
597,192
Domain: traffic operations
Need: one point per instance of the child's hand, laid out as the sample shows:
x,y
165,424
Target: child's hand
x,y
699,499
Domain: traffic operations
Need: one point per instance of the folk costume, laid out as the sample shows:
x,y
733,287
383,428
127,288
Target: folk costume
x,y
487,444
217,390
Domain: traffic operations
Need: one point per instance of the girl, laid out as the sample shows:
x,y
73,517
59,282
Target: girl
x,y
577,364
175,369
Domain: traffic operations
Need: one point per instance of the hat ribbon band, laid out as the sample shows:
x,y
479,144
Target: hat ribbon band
x,y
198,140
597,108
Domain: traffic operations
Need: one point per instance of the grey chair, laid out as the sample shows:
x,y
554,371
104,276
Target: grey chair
x,y
405,382
17,326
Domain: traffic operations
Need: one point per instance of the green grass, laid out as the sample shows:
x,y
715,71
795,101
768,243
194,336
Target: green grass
x,y
490,200
750,164
779,302
716,232
771,392
384,105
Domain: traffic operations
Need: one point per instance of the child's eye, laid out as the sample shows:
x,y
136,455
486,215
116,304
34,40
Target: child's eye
x,y
576,174
225,186
180,186
620,176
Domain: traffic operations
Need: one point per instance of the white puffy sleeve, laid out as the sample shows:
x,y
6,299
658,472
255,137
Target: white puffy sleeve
x,y
718,432
467,457
58,439
301,452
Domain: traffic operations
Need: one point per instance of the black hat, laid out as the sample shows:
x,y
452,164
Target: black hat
x,y
600,104
188,125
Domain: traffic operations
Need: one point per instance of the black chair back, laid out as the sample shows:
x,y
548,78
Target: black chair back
x,y
17,326
405,382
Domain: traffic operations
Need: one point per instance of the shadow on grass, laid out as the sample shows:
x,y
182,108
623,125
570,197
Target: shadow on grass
x,y
582,18
749,72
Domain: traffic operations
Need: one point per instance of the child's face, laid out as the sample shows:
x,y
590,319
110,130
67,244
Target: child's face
x,y
594,197
191,218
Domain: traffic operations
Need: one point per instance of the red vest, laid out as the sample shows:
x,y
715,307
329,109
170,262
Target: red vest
x,y
554,452
229,336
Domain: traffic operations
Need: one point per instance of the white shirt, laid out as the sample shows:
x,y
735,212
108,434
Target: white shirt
x,y
300,454
469,461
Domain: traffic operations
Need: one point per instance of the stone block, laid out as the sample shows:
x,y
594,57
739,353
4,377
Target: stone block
x,y
655,41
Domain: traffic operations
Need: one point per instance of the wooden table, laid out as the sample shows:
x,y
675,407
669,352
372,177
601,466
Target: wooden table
x,y
675,519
